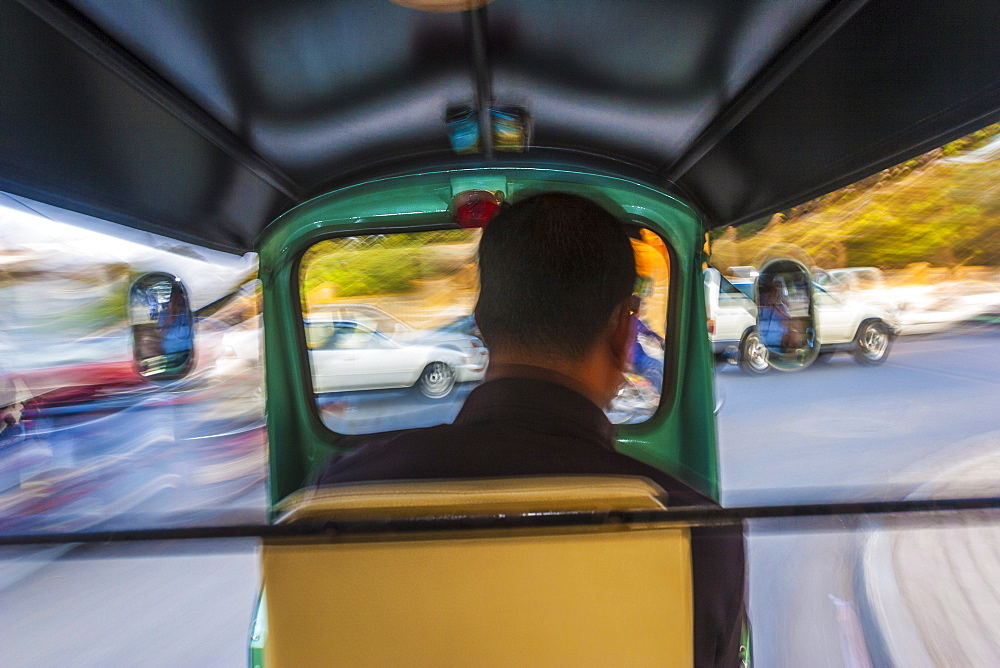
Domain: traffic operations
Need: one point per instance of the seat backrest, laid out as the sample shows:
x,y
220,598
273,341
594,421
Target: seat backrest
x,y
424,498
595,595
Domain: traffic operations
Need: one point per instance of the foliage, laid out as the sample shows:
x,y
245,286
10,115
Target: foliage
x,y
942,207
380,264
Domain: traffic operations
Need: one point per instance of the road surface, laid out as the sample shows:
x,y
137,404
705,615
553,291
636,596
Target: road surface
x,y
842,432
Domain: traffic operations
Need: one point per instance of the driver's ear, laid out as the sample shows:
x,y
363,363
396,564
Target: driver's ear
x,y
621,333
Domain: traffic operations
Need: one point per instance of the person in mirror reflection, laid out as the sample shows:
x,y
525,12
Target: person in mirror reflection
x,y
175,323
774,317
777,326
556,310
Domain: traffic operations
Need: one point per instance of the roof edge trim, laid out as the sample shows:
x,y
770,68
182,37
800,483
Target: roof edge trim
x,y
828,21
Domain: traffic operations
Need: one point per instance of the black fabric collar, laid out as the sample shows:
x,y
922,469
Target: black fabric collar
x,y
536,397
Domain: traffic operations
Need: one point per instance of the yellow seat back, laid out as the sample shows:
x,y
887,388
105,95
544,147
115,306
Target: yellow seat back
x,y
603,595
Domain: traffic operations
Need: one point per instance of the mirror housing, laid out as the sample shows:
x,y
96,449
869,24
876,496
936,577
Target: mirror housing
x,y
786,320
162,327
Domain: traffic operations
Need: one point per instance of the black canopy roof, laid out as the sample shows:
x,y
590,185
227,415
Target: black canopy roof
x,y
204,119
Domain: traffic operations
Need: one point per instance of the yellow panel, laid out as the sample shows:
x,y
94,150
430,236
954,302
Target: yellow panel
x,y
591,599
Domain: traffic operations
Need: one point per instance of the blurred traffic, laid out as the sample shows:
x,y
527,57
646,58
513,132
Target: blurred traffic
x,y
911,250
87,441
858,310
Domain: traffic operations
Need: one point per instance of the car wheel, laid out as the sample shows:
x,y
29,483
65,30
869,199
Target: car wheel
x,y
753,353
437,380
872,343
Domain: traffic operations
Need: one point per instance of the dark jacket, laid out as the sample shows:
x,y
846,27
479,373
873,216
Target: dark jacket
x,y
531,426
507,427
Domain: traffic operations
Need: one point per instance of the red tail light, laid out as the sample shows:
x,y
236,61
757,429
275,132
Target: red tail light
x,y
476,208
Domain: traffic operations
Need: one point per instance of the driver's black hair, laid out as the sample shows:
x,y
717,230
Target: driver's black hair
x,y
552,268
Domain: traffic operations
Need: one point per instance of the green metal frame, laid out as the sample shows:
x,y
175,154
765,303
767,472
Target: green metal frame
x,y
679,438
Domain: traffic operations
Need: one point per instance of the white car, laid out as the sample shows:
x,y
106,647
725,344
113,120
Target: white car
x,y
364,348
938,308
850,278
844,323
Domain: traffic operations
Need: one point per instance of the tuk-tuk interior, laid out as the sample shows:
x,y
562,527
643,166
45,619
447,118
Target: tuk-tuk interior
x,y
280,126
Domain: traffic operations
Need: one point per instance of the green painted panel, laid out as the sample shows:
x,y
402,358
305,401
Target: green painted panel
x,y
679,438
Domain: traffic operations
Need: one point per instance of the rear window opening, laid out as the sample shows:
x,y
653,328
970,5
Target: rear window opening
x,y
392,340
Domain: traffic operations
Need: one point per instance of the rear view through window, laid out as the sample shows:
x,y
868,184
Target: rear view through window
x,y
392,338
900,400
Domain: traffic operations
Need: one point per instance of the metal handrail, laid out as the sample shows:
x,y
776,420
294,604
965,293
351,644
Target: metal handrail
x,y
686,516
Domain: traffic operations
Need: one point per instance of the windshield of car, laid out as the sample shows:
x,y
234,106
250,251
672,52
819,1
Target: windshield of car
x,y
393,343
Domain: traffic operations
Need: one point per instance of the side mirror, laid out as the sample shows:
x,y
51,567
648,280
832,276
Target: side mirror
x,y
786,321
162,327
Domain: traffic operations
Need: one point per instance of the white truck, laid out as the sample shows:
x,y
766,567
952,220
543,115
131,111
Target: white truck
x,y
844,322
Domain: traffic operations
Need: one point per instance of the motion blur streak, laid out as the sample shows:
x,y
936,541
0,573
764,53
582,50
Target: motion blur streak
x,y
97,445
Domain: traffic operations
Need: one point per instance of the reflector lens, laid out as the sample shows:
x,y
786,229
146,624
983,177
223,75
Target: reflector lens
x,y
476,208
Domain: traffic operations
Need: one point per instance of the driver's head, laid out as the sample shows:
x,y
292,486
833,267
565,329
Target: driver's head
x,y
555,270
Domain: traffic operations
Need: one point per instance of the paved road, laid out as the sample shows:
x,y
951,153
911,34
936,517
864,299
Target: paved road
x,y
841,432
833,432
845,432
930,580
149,604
